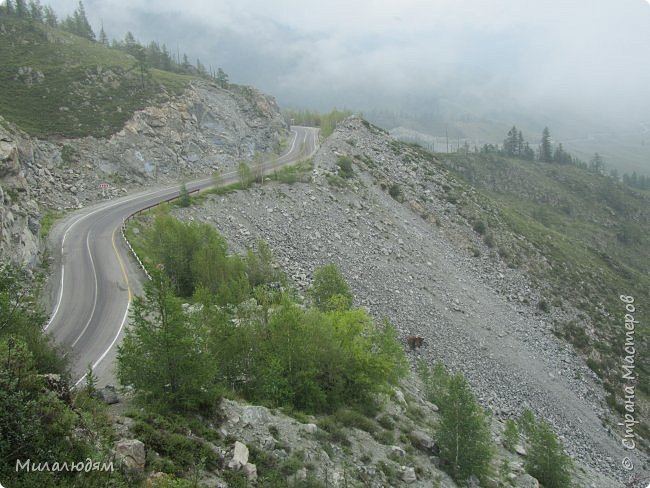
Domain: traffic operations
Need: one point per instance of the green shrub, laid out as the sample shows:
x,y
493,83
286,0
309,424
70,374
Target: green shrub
x,y
387,422
544,306
395,191
352,418
184,198
329,290
489,240
480,227
69,155
344,164
246,176
336,181
527,422
510,435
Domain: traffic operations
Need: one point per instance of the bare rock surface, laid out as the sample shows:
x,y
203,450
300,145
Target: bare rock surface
x,y
205,130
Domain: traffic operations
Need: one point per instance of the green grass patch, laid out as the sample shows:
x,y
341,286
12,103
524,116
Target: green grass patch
x,y
54,82
48,220
299,172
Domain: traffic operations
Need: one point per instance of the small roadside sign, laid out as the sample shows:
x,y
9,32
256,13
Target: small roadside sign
x,y
104,186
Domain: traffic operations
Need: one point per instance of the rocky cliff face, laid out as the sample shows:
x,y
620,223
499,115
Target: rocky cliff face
x,y
206,130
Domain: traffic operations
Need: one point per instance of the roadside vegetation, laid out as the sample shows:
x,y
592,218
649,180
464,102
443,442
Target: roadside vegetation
x,y
40,419
245,331
327,121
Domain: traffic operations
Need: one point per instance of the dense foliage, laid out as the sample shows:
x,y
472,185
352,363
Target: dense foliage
x,y
246,332
39,420
330,291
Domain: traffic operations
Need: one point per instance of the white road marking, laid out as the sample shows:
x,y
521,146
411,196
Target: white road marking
x,y
58,302
101,358
92,313
83,217
106,207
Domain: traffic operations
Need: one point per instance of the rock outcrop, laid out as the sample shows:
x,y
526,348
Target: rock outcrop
x,y
131,453
205,130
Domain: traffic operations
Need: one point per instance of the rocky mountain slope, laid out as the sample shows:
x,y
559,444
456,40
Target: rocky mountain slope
x,y
204,130
411,255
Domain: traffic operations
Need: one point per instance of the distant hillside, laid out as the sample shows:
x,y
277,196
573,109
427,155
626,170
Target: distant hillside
x,y
626,150
56,83
586,243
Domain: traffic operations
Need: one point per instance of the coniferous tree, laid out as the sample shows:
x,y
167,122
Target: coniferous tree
x,y
103,38
36,10
21,8
166,59
597,163
527,152
186,66
130,44
9,7
510,144
50,16
561,156
162,355
545,149
546,459
82,24
222,78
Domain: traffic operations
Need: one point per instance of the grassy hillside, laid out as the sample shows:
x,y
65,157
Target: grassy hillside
x,y
586,243
54,82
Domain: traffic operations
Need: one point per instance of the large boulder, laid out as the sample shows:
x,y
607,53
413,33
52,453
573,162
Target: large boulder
x,y
408,475
255,415
131,453
422,441
239,457
107,395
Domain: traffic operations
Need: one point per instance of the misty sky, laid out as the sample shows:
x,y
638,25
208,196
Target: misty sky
x,y
587,57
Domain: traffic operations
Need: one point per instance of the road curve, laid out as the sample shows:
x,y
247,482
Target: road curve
x,y
94,276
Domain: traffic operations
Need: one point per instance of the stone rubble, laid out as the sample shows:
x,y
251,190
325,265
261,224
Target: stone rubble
x,y
409,261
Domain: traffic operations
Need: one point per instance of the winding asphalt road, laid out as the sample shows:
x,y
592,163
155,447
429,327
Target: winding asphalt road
x,y
95,276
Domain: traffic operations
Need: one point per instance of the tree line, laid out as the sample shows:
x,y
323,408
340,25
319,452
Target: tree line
x,y
514,145
151,55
